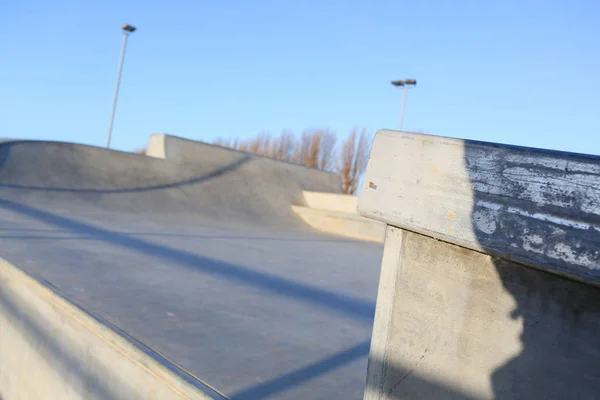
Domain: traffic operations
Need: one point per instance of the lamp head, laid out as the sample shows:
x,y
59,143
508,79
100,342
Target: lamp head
x,y
128,28
404,82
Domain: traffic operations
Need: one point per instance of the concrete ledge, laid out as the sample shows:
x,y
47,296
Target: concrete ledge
x,y
344,224
538,207
331,201
460,312
156,146
52,349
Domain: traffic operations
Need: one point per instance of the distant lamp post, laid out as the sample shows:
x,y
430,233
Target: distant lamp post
x,y
127,29
404,84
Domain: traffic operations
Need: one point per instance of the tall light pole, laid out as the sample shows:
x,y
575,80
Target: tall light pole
x,y
404,84
127,29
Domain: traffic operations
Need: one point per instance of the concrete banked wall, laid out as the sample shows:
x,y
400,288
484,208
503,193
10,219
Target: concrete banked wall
x,y
490,273
51,349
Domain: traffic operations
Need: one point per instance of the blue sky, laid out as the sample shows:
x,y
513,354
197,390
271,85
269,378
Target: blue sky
x,y
521,72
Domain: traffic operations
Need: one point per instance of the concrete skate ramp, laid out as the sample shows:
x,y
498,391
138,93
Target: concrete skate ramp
x,y
199,258
213,181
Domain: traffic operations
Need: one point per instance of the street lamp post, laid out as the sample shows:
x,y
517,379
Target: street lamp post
x,y
127,29
404,84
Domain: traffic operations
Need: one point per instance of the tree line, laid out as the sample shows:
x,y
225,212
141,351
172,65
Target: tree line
x,y
317,148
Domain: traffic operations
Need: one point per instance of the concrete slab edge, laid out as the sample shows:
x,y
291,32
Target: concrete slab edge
x,y
76,354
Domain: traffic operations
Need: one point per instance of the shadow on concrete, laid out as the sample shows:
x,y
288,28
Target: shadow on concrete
x,y
304,374
172,235
88,377
560,324
414,386
560,358
346,305
4,153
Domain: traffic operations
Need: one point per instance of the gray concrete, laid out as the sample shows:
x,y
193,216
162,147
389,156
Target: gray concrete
x,y
200,257
343,224
534,206
51,349
499,301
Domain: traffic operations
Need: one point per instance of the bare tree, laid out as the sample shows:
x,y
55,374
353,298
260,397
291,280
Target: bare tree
x,y
264,143
315,149
346,162
283,146
318,149
220,141
297,152
327,149
244,146
254,146
353,160
311,142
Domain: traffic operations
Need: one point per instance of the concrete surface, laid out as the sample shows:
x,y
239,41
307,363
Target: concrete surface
x,y
199,257
345,203
51,349
534,206
156,146
343,224
465,325
457,316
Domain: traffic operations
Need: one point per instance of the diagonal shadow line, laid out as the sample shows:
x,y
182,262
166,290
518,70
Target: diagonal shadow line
x,y
346,305
216,173
174,235
304,374
30,230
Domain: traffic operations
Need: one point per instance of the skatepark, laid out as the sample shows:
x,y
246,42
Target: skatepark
x,y
200,272
197,256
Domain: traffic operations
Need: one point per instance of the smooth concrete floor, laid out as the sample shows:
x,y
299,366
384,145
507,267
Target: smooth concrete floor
x,y
255,311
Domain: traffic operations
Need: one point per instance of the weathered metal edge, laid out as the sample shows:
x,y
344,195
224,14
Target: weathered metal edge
x,y
569,223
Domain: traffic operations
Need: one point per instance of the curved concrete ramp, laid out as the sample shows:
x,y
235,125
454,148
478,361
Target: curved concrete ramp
x,y
199,257
208,180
